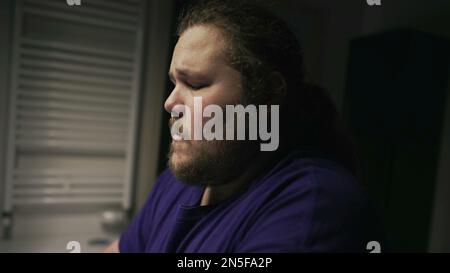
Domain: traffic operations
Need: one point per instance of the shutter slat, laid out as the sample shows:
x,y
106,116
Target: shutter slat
x,y
48,105
75,68
93,21
65,96
82,88
87,10
49,75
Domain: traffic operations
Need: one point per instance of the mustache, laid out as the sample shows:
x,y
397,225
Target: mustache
x,y
172,121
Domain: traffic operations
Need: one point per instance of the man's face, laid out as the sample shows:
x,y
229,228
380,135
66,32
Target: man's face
x,y
199,69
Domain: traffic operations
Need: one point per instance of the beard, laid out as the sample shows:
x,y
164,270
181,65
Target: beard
x,y
214,162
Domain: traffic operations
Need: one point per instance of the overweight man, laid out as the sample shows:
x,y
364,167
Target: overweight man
x,y
259,160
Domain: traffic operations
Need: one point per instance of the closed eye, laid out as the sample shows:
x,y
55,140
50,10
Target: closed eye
x,y
195,86
190,85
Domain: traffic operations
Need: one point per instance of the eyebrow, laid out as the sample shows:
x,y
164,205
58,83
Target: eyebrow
x,y
185,72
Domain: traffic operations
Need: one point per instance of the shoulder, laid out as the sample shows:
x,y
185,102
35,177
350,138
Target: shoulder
x,y
297,175
321,186
311,204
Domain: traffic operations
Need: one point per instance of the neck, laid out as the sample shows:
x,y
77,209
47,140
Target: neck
x,y
214,194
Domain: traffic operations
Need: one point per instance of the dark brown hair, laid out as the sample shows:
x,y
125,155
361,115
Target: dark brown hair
x,y
260,43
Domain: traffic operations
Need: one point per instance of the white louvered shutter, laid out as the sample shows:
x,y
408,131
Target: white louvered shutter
x,y
74,91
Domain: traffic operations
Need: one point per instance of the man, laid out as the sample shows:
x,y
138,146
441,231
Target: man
x,y
228,195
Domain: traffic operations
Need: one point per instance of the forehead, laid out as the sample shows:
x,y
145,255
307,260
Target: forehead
x,y
199,47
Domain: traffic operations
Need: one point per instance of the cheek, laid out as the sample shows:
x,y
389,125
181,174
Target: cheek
x,y
221,95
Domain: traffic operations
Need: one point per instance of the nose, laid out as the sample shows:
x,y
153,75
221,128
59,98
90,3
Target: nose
x,y
175,98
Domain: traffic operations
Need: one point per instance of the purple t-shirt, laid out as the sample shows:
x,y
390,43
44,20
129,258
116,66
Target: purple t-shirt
x,y
298,205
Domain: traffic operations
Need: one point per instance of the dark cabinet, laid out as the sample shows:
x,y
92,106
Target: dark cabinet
x,y
394,104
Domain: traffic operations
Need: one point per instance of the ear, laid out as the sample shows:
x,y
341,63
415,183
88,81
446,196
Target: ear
x,y
278,88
